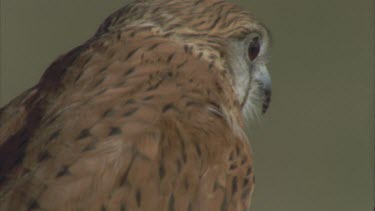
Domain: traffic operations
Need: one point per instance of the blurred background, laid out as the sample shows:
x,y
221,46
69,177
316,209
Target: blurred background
x,y
314,149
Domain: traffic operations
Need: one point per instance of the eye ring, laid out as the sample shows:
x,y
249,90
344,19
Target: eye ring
x,y
254,48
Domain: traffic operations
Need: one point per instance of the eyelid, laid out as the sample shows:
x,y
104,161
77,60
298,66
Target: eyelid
x,y
254,35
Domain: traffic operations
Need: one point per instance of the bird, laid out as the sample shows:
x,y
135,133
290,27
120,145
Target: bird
x,y
147,114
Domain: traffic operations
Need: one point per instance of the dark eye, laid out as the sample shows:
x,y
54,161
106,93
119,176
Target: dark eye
x,y
254,48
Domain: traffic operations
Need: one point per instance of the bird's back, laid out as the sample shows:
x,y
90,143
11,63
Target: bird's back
x,y
124,122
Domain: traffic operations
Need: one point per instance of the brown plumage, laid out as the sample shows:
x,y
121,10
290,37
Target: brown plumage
x,y
145,115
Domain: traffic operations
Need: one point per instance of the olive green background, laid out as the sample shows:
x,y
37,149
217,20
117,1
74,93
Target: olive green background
x,y
314,149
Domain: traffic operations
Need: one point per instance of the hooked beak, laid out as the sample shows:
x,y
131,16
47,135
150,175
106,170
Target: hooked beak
x,y
265,85
267,100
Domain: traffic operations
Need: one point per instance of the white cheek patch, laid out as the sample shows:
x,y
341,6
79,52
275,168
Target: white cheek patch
x,y
241,69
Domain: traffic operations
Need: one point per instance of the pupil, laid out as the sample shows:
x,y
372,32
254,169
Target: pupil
x,y
254,48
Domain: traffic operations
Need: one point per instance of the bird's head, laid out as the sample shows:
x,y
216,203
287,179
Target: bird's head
x,y
221,33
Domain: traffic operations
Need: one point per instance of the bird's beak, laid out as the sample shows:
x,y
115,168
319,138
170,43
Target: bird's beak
x,y
265,85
